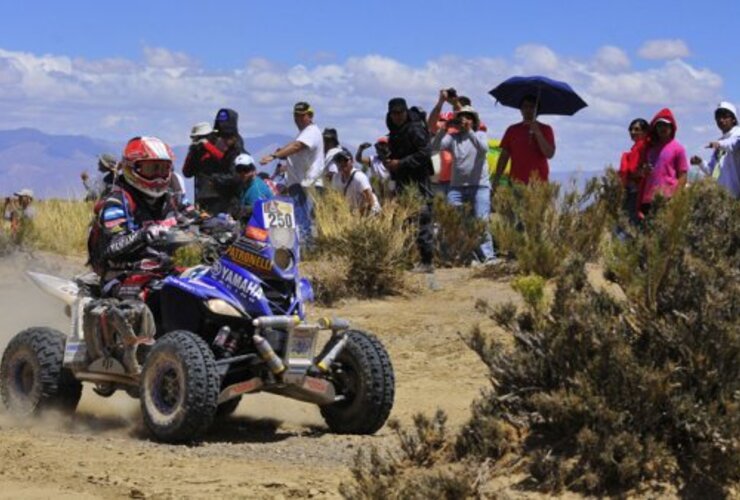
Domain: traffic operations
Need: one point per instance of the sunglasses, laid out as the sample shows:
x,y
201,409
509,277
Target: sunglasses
x,y
154,169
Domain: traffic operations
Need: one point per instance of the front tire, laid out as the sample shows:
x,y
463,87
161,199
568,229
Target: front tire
x,y
179,388
32,377
363,374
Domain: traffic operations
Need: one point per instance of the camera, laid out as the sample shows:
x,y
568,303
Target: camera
x,y
451,93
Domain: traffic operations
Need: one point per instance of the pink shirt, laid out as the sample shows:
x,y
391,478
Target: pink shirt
x,y
668,164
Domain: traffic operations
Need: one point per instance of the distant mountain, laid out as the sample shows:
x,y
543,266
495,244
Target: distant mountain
x,y
51,164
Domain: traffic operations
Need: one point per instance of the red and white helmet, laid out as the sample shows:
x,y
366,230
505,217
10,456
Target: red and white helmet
x,y
147,165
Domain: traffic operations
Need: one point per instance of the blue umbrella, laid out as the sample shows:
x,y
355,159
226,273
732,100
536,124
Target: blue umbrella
x,y
553,97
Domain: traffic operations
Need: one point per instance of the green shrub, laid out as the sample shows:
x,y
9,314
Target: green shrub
x,y
610,396
540,229
459,233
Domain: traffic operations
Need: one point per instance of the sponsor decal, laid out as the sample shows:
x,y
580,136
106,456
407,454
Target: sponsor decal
x,y
113,213
248,259
315,384
256,233
244,286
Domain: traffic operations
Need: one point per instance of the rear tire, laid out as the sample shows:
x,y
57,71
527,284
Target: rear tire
x,y
179,388
32,378
364,375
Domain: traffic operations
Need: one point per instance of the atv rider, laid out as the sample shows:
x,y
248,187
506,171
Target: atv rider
x,y
134,214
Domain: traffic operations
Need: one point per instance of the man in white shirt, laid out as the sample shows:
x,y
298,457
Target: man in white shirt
x,y
305,157
725,162
354,185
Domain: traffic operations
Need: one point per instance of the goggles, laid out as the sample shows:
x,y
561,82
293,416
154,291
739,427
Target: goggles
x,y
153,169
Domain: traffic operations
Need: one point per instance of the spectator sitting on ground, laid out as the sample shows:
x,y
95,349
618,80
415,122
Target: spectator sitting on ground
x,y
470,182
354,185
373,165
305,156
529,144
725,162
667,161
108,169
255,187
266,179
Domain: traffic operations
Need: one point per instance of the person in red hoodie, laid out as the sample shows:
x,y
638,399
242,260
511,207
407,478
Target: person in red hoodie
x,y
667,164
631,165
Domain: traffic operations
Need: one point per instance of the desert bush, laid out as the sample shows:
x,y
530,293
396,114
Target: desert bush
x,y
328,279
376,248
540,228
60,226
607,396
410,474
458,233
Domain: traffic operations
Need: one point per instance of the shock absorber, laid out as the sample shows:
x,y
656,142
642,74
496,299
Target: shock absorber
x,y
272,360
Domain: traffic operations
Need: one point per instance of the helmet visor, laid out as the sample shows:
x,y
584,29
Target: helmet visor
x,y
153,169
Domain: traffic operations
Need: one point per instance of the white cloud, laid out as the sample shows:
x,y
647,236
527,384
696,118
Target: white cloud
x,y
610,58
664,49
166,92
159,57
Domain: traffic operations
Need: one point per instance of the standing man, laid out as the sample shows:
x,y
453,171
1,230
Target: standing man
x,y
725,162
305,157
469,182
410,165
529,144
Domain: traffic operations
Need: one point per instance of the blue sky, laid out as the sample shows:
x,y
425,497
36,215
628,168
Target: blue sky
x,y
111,68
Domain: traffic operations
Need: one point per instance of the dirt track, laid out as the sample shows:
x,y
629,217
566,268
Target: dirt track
x,y
272,447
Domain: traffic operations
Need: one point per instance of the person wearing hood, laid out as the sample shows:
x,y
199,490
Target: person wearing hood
x,y
724,164
630,167
469,182
211,161
666,159
410,165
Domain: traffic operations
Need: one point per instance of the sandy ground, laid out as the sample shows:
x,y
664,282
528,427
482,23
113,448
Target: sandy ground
x,y
272,447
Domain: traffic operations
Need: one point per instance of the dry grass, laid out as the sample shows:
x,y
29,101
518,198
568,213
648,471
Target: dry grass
x,y
60,226
376,249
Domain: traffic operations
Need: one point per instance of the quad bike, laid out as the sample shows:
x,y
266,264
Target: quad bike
x,y
189,343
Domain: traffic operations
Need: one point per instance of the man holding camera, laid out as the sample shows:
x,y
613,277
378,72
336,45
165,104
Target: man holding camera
x,y
469,182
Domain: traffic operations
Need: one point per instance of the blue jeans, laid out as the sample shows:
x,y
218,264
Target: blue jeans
x,y
480,198
303,213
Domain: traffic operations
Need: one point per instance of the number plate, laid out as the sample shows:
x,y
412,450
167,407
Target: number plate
x,y
278,214
301,345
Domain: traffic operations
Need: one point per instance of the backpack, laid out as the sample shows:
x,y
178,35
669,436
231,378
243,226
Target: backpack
x,y
96,241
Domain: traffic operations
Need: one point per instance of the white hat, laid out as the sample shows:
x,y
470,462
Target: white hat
x,y
201,129
728,106
469,110
24,192
243,160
